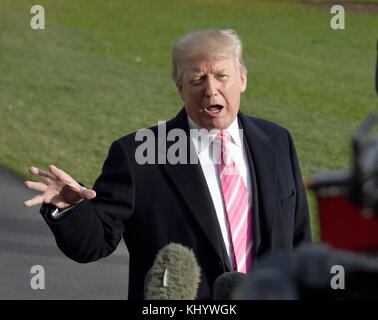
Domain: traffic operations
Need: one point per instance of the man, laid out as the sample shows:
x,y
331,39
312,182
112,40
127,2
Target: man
x,y
230,208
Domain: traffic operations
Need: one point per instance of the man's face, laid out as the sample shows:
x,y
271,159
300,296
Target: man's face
x,y
211,91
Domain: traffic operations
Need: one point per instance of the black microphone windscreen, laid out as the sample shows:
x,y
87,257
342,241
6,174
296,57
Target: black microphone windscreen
x,y
225,284
266,284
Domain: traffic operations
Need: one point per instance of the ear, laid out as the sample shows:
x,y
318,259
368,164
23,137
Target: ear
x,y
243,81
180,91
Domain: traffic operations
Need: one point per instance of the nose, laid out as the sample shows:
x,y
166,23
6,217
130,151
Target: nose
x,y
210,87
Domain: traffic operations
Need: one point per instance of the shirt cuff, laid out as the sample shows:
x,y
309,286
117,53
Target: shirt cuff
x,y
57,215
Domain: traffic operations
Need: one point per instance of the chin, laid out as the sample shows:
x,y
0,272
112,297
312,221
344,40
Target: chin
x,y
220,125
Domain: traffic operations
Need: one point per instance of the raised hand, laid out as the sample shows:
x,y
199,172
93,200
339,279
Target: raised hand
x,y
59,189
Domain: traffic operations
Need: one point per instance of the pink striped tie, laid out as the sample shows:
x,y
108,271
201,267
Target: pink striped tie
x,y
237,205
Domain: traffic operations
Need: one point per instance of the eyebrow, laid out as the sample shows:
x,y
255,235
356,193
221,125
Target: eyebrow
x,y
197,74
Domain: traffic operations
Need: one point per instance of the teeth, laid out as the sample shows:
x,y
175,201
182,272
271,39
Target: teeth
x,y
214,109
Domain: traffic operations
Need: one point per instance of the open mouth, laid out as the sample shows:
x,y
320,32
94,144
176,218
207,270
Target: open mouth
x,y
215,108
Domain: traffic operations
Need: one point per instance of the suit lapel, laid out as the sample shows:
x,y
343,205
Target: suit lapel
x,y
257,228
191,184
263,162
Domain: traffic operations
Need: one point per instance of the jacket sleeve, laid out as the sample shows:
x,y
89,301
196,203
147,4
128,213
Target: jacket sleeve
x,y
93,228
302,225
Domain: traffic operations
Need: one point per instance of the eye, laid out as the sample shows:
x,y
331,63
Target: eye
x,y
197,81
223,76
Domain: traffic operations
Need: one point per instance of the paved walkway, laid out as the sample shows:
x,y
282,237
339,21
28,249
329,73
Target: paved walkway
x,y
25,241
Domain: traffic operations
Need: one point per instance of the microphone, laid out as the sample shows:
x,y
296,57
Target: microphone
x,y
225,284
174,275
309,273
266,284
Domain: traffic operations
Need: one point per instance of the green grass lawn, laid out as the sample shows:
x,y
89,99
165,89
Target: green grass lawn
x,y
101,70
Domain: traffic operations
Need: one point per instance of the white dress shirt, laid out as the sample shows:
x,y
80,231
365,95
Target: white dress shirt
x,y
209,164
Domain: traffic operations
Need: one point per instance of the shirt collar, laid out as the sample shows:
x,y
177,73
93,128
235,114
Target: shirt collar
x,y
233,130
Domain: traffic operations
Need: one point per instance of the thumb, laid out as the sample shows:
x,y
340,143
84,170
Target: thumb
x,y
87,194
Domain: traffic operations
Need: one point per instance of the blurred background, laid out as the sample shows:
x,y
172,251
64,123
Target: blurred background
x,y
101,70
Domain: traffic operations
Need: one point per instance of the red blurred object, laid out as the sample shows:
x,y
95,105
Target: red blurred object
x,y
343,224
348,198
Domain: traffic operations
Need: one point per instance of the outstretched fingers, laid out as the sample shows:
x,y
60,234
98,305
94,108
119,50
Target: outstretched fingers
x,y
61,175
59,189
38,186
34,201
41,174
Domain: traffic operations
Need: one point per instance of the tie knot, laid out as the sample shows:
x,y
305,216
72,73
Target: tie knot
x,y
224,137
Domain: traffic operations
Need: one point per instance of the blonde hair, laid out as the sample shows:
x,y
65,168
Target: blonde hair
x,y
204,45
